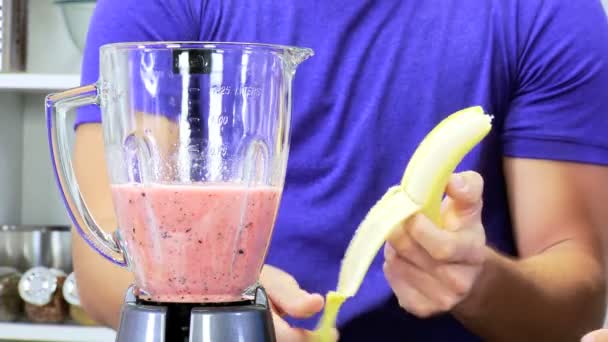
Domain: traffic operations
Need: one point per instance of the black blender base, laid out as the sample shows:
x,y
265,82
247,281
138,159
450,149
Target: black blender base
x,y
247,321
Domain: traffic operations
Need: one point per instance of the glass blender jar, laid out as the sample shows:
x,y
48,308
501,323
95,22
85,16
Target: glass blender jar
x,y
196,139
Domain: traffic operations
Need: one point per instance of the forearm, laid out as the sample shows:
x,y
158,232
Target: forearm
x,y
102,285
557,295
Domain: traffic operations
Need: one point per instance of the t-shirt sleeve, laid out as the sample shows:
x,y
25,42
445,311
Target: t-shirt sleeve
x,y
560,106
116,21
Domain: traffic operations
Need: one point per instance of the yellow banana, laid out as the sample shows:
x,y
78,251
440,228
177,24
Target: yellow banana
x,y
433,162
421,190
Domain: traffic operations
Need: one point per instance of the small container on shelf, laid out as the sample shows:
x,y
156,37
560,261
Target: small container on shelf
x,y
11,305
41,290
77,15
70,294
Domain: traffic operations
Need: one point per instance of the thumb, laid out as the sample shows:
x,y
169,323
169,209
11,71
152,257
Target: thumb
x,y
286,333
286,295
464,197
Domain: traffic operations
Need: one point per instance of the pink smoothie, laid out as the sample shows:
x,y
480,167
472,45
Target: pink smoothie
x,y
195,243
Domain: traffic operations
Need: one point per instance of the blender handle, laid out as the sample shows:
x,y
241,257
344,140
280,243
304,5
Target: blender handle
x,y
57,107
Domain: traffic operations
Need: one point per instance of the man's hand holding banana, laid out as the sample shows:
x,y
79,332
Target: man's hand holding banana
x,y
432,269
434,246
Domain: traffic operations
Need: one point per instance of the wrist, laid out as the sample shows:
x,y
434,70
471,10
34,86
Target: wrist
x,y
473,304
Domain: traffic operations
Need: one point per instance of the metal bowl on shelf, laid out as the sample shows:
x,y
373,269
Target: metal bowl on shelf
x,y
24,247
77,15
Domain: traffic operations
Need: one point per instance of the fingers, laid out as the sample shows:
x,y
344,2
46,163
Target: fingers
x,y
431,269
441,284
463,238
285,333
411,250
429,287
286,295
456,278
447,246
464,198
411,298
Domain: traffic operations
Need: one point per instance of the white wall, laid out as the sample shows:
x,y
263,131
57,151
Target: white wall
x,y
40,201
10,158
50,49
28,193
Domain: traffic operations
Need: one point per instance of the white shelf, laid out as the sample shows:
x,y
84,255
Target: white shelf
x,y
55,333
37,83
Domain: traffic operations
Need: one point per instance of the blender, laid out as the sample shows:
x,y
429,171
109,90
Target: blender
x,y
196,141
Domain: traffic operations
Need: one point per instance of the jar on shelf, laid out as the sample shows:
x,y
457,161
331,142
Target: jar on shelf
x,y
41,290
11,305
70,294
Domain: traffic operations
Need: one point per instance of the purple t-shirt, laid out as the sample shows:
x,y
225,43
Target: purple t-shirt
x,y
384,73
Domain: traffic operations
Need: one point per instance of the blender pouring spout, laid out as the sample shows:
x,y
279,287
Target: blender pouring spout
x,y
295,56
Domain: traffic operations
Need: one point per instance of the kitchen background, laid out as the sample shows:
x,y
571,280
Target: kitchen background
x,y
28,196
34,227
27,192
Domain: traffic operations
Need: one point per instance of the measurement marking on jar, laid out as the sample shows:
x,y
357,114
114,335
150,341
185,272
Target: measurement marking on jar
x,y
247,91
223,119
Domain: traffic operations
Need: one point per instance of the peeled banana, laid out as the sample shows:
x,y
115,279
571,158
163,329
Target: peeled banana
x,y
420,191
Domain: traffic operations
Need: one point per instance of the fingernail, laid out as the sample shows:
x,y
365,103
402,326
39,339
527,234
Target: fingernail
x,y
389,252
459,182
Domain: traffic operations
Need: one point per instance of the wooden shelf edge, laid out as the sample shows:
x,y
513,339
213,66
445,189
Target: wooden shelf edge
x,y
38,83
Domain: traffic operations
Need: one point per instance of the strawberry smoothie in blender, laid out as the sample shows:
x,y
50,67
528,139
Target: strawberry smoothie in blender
x,y
195,243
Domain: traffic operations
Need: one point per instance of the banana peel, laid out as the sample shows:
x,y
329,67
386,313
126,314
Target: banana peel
x,y
420,191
